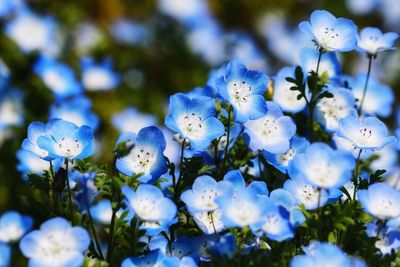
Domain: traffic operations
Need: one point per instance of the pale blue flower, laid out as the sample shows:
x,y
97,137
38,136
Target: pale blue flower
x,y
365,133
372,41
13,226
155,211
380,200
271,132
56,244
98,76
244,90
193,119
145,158
329,32
322,166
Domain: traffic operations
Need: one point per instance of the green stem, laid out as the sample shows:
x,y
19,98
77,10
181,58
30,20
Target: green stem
x,y
70,207
319,60
356,173
53,185
96,240
370,58
227,136
311,103
113,217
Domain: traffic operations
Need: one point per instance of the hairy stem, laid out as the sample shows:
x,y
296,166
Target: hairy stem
x,y
370,58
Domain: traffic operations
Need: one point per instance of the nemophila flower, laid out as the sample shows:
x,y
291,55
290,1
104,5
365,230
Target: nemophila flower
x,y
11,108
324,254
5,255
328,64
84,188
102,211
271,132
58,77
329,32
283,96
244,89
32,32
322,166
29,162
380,200
145,158
155,211
193,119
55,244
184,11
275,222
378,99
63,139
345,144
365,133
131,120
282,160
305,193
285,199
361,7
37,129
98,77
372,41
76,110
241,207
388,239
13,226
200,201
224,246
329,111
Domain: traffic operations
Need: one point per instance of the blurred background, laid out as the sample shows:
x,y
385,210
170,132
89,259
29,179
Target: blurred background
x,y
113,64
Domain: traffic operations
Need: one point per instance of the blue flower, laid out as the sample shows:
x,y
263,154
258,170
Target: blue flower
x,y
275,222
11,108
29,162
5,255
242,206
155,211
372,41
271,132
322,166
37,129
200,202
84,188
102,211
13,226
63,139
43,33
329,63
284,198
281,160
58,77
322,253
329,111
98,77
329,32
244,89
56,243
76,110
378,99
387,237
380,200
146,156
130,32
225,246
283,96
131,120
305,193
193,119
367,134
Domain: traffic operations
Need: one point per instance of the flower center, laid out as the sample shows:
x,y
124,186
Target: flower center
x,y
239,92
143,158
191,125
284,158
69,147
